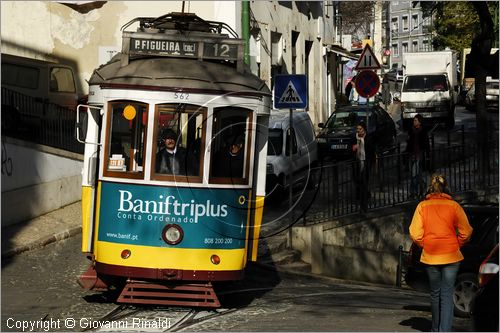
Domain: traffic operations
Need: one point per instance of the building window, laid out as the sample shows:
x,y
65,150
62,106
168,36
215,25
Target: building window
x,y
276,48
404,21
425,45
295,37
414,47
404,47
395,50
394,24
414,21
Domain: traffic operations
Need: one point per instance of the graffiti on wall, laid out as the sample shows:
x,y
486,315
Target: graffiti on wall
x,y
6,162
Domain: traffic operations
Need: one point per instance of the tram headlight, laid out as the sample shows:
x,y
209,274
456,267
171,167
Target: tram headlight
x,y
172,234
215,259
126,254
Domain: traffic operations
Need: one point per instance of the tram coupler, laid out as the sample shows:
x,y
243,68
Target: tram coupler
x,y
90,281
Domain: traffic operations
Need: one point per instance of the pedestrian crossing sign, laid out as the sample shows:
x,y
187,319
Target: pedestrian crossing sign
x,y
290,91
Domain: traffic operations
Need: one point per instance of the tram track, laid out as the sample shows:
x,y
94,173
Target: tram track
x,y
126,317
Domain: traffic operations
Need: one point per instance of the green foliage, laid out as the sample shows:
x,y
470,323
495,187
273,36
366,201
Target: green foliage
x,y
456,23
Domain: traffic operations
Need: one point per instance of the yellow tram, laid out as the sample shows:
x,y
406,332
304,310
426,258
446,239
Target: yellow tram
x,y
175,135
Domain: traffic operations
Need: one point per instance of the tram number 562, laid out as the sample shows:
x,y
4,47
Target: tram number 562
x,y
181,95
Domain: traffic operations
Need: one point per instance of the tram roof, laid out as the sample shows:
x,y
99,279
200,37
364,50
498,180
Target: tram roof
x,y
163,73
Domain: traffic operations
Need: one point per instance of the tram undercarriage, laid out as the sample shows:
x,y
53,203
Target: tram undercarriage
x,y
159,292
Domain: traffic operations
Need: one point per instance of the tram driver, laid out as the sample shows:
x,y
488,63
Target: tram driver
x,y
171,159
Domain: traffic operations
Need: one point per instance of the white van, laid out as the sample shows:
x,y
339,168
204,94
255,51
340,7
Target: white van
x,y
43,81
304,150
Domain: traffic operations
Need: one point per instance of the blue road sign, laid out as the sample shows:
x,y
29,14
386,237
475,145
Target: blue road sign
x,y
290,91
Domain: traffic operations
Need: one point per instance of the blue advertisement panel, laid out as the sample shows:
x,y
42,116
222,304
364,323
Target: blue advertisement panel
x,y
137,214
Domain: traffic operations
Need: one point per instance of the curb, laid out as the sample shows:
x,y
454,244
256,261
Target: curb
x,y
291,272
39,243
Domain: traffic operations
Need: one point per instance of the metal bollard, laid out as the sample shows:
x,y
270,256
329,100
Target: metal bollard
x,y
399,271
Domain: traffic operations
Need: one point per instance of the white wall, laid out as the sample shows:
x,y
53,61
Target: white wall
x,y
37,179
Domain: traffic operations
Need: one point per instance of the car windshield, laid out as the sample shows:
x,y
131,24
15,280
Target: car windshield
x,y
425,83
275,142
342,119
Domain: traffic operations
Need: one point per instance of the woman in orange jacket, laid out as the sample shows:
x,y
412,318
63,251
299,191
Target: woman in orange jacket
x,y
440,227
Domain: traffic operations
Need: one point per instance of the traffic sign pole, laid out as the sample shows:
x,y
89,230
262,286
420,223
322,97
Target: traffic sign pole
x,y
290,92
290,184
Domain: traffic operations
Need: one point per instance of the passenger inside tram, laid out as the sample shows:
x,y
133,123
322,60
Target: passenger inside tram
x,y
229,162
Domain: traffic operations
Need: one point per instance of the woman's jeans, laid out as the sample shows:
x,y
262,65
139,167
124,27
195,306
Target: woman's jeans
x,y
442,283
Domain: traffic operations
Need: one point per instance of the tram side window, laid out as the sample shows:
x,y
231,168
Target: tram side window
x,y
179,143
127,134
230,145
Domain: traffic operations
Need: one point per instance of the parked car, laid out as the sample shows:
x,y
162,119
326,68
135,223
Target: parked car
x,y
484,221
304,151
399,75
338,134
492,95
32,90
46,82
395,75
484,307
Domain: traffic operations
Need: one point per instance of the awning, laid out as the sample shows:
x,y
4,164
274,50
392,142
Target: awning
x,y
343,52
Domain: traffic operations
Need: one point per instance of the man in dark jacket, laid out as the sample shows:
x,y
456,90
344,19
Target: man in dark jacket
x,y
171,159
418,148
364,151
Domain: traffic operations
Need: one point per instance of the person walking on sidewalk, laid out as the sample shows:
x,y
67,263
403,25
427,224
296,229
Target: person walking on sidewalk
x,y
364,151
441,228
418,149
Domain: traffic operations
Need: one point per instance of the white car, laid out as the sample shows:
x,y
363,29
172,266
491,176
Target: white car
x,y
492,94
304,151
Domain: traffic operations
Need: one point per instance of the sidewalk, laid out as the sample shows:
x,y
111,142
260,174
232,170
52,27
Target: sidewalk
x,y
38,232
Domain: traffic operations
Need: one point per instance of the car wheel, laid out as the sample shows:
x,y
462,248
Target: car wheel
x,y
466,287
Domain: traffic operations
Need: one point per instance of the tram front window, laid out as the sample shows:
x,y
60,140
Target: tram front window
x,y
230,145
126,133
179,141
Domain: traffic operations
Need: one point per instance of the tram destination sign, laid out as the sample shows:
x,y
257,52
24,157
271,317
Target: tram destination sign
x,y
168,47
224,49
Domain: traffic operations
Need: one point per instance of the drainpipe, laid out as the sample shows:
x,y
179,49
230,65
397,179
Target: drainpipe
x,y
245,29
